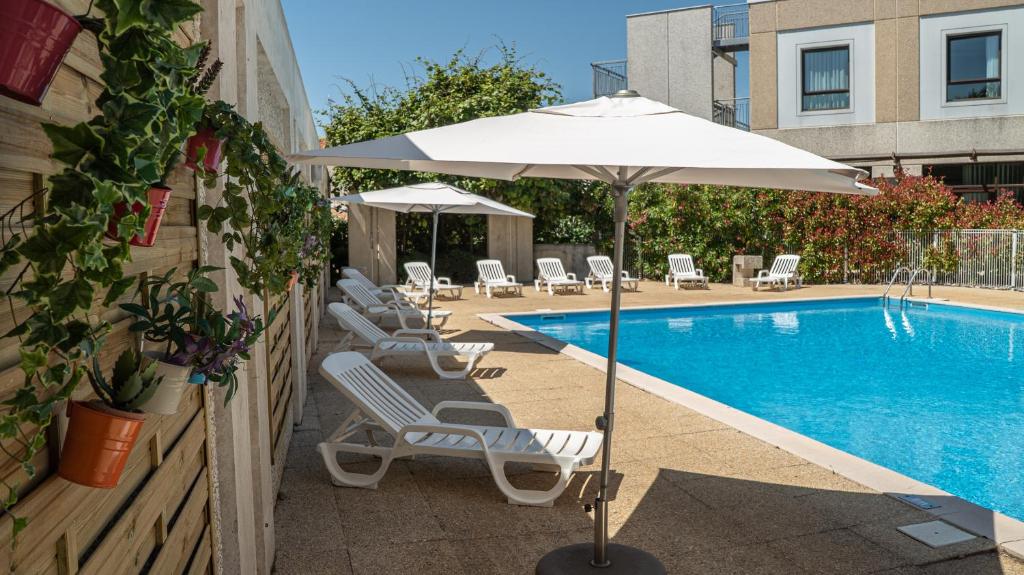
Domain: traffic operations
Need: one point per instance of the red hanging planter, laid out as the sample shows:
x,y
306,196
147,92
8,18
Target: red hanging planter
x,y
159,195
34,38
205,138
293,280
98,443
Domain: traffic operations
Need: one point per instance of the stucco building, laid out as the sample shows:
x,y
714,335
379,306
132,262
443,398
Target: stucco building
x,y
929,85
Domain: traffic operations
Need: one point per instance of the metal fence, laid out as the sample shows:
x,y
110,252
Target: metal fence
x,y
610,76
734,112
730,22
985,258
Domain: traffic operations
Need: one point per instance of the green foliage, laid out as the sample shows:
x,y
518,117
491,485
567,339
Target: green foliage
x,y
571,229
166,310
942,259
147,110
132,383
459,89
281,223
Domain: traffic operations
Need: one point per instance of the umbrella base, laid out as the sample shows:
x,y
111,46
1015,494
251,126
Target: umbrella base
x,y
576,559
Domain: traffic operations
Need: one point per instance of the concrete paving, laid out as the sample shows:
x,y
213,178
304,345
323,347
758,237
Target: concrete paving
x,y
700,495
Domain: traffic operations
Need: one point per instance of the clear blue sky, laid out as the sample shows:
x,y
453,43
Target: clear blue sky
x,y
369,41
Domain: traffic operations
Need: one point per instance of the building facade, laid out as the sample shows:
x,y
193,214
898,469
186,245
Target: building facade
x,y
929,86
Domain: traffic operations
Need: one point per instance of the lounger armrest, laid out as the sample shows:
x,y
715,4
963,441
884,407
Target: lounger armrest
x,y
511,278
698,271
476,405
431,334
446,428
443,281
571,276
763,273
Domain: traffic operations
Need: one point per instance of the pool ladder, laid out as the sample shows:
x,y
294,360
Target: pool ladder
x,y
909,290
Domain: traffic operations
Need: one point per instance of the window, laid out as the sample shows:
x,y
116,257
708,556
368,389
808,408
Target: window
x,y
974,66
826,78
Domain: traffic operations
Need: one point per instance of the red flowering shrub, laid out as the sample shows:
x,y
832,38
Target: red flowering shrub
x,y
714,223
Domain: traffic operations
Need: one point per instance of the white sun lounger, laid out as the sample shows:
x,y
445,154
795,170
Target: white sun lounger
x,y
362,333
381,405
681,270
370,305
783,271
493,277
385,292
553,275
602,270
420,278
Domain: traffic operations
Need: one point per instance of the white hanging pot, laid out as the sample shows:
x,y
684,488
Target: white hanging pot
x,y
173,381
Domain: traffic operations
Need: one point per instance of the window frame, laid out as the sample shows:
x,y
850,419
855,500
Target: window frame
x,y
848,44
974,31
950,38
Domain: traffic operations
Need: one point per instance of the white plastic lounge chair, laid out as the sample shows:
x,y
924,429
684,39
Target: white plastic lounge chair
x,y
385,292
783,271
602,270
420,278
681,270
382,405
493,277
364,334
553,275
370,305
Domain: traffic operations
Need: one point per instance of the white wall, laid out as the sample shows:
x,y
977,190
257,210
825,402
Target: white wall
x,y
861,38
934,30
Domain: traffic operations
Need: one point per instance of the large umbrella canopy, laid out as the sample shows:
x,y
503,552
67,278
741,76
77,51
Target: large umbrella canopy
x,y
435,198
624,140
592,140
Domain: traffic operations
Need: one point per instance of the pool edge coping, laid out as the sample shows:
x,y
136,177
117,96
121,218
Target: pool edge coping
x,y
1005,531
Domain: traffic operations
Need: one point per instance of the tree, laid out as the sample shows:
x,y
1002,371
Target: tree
x,y
460,89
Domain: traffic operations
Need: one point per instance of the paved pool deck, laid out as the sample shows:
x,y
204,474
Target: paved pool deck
x,y
702,496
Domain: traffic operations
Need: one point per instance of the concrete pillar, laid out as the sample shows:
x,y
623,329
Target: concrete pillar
x,y
298,334
371,243
510,239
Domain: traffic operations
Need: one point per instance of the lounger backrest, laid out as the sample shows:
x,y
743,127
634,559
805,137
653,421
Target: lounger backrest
x,y
419,273
551,268
491,270
784,265
373,392
356,323
359,294
356,275
601,266
681,264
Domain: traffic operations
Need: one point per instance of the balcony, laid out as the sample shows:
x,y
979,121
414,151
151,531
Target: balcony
x,y
730,27
734,112
609,77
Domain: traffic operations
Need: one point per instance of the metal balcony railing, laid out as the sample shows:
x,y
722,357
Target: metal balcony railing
x,y
730,25
609,77
734,112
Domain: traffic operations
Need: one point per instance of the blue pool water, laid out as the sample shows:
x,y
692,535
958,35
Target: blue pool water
x,y
935,393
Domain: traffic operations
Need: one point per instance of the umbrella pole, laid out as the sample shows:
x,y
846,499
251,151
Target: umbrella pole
x,y
602,557
433,260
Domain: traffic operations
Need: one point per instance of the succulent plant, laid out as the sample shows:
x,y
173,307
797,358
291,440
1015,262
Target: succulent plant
x,y
131,384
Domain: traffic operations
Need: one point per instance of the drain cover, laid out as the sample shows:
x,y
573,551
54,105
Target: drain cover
x,y
918,501
936,533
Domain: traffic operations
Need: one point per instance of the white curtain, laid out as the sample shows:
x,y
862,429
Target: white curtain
x,y
826,70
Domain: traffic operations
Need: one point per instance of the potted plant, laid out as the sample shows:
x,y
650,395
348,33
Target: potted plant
x,y
158,196
217,344
204,149
35,36
164,314
102,433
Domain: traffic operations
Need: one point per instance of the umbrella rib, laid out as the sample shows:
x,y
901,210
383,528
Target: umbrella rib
x,y
646,175
599,172
522,172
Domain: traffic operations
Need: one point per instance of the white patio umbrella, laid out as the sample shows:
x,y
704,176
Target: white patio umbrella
x,y
624,140
434,198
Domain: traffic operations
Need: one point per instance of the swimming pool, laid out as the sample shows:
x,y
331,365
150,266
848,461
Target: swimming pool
x,y
934,392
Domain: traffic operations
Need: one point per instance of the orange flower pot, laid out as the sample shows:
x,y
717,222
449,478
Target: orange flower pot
x,y
98,443
213,145
292,281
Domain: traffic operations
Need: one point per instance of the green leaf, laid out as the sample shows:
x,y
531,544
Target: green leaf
x,y
70,296
204,285
117,289
71,144
169,13
32,359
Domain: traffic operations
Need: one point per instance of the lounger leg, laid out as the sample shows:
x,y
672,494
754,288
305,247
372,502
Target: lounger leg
x,y
343,478
531,497
446,374
488,290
